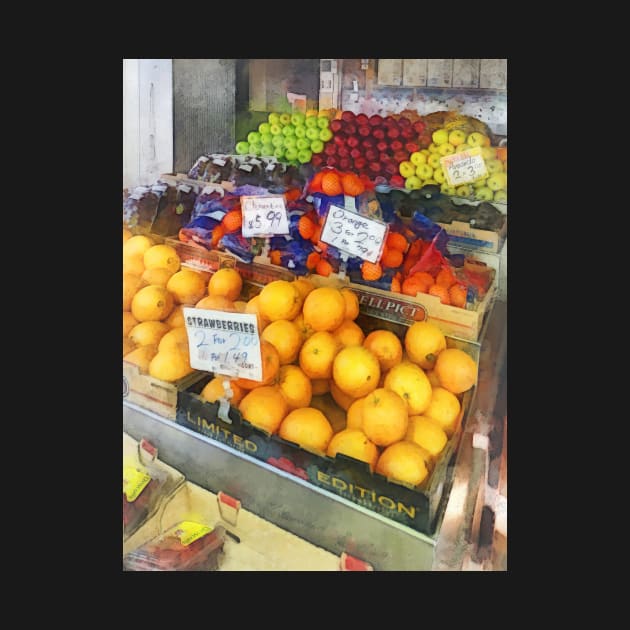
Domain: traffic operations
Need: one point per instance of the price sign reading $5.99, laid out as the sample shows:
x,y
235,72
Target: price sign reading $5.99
x,y
354,234
464,167
264,216
224,343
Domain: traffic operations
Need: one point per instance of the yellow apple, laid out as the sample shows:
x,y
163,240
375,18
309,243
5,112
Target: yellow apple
x,y
480,183
433,148
457,137
439,136
438,175
413,183
447,190
494,166
464,190
497,181
434,160
477,139
418,157
446,148
462,147
424,171
425,152
484,194
501,196
488,153
406,169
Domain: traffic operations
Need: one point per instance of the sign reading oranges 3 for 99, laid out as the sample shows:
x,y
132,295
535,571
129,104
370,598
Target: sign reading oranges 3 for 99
x,y
464,167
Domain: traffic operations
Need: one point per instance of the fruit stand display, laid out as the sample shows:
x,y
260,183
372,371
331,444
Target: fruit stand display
x,y
321,250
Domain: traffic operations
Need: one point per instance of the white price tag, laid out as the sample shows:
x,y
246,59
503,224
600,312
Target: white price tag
x,y
210,188
464,167
203,158
246,167
185,188
218,162
255,161
353,233
225,343
264,215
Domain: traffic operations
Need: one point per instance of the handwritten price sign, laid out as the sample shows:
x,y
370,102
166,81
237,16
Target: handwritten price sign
x,y
354,234
224,343
264,216
464,167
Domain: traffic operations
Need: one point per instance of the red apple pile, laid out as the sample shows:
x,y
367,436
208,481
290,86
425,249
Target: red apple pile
x,y
372,145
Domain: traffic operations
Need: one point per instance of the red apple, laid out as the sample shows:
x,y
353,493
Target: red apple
x,y
347,116
343,152
359,163
384,157
335,125
390,121
317,160
378,133
375,120
368,143
396,145
375,167
412,147
330,148
340,139
371,155
397,181
364,130
331,160
401,155
344,164
404,122
349,128
355,153
393,132
382,146
352,142
424,140
419,127
391,168
408,133
361,119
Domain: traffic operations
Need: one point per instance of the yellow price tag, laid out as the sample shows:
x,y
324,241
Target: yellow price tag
x,y
134,482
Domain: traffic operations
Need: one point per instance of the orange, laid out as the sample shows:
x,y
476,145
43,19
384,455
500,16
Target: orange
x,y
312,261
433,379
317,355
127,234
275,256
265,407
133,263
270,361
385,417
424,342
162,256
356,371
354,414
232,220
128,345
227,282
386,348
323,268
343,400
223,387
187,286
441,292
176,318
457,295
174,337
352,304
171,365
148,333
352,185
253,306
411,384
305,330
331,184
306,227
427,434
152,303
397,241
391,258
403,462
295,386
131,285
279,300
308,427
395,287
349,334
353,443
218,233
324,309
414,285
371,271
157,275
444,410
129,321
445,278
285,337
216,303
456,370
137,245
141,357
320,386
304,286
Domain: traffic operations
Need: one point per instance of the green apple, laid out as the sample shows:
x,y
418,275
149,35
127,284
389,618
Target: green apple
x,y
418,158
434,160
311,122
438,175
266,138
275,129
317,146
290,142
302,143
253,137
439,136
288,130
494,166
277,141
433,148
312,133
279,152
484,194
264,128
413,183
267,149
477,139
462,147
488,153
500,196
497,181
323,122
304,156
480,183
325,134
273,118
242,147
457,137
407,169
297,118
291,153
424,171
446,148
285,119
448,190
300,131
255,148
464,190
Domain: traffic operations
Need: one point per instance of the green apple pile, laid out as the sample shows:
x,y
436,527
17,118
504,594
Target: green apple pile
x,y
291,138
424,167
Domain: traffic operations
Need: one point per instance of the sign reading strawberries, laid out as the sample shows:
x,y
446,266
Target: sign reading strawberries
x,y
464,167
